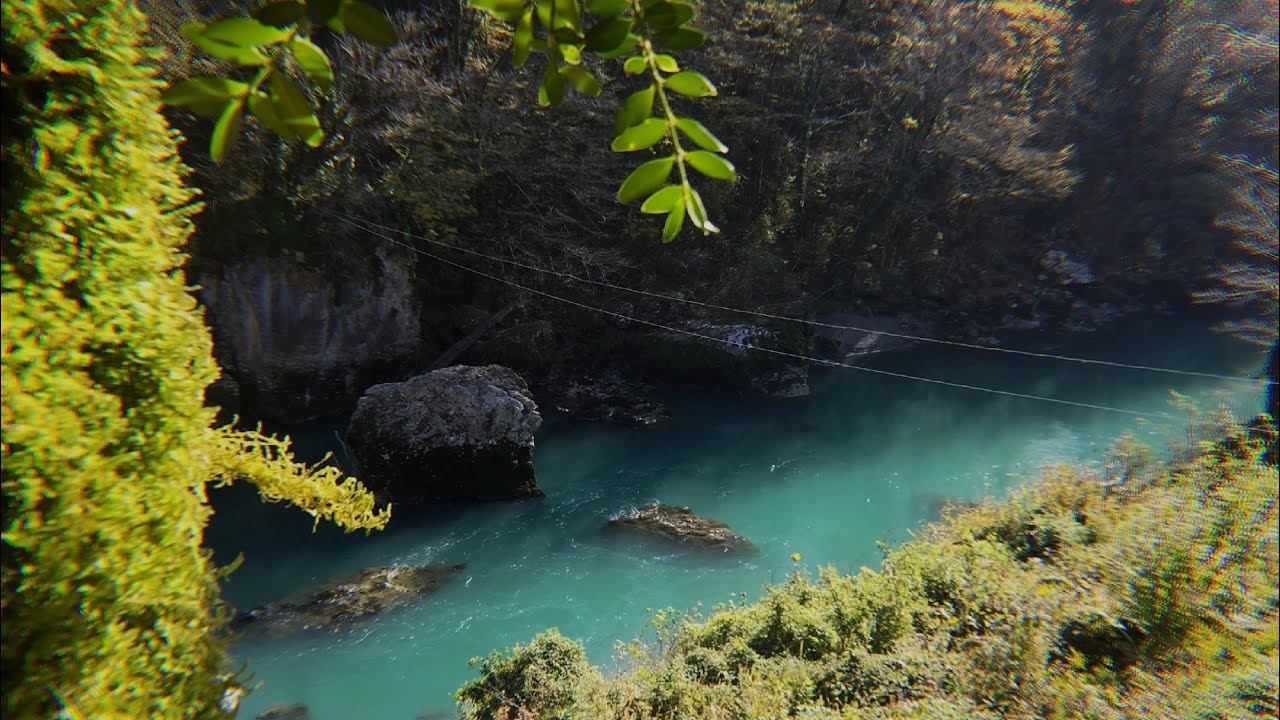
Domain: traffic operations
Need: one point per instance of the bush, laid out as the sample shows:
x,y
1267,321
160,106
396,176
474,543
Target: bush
x,y
543,679
110,602
1162,597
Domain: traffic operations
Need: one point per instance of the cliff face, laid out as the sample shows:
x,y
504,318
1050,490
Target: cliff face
x,y
300,344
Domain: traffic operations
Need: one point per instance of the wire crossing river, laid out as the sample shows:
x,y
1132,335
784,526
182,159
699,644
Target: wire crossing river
x,y
866,458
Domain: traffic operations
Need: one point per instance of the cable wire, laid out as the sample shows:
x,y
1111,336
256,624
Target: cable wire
x,y
367,224
746,347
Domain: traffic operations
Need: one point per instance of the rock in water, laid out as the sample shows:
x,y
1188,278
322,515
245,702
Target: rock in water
x,y
681,525
355,597
456,434
280,711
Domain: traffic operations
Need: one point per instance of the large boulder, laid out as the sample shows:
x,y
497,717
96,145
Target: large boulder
x,y
457,434
681,525
340,603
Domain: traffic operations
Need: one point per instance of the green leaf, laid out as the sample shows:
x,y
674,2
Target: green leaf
x,y
699,134
509,10
645,179
367,23
523,39
664,201
683,38
691,83
205,95
243,32
637,107
551,90
698,212
666,63
629,43
570,53
608,8
668,15
313,62
711,165
634,65
263,109
294,110
321,12
280,14
646,134
226,130
568,15
675,221
238,54
193,30
608,34
581,79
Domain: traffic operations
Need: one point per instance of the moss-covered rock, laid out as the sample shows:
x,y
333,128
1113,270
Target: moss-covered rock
x,y
681,525
341,603
457,434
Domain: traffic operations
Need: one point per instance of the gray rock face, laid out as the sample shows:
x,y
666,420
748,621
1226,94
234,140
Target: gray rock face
x,y
299,345
789,381
733,358
609,398
873,335
680,524
1069,271
343,602
457,434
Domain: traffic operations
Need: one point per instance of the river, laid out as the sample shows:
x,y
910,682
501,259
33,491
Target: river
x,y
866,458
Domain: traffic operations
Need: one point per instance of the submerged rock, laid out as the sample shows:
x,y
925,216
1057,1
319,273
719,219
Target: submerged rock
x,y
680,524
281,711
339,604
789,381
457,434
607,398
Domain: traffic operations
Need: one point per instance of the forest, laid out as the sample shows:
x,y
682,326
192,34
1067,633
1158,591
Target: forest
x,y
558,271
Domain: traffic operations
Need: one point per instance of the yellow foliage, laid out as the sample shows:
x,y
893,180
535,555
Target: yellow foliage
x,y
321,491
110,602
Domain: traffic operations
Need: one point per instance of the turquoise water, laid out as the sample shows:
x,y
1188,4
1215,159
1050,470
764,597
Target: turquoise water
x,y
866,458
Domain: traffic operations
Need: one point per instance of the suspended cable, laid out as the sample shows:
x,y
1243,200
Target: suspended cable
x,y
746,347
368,224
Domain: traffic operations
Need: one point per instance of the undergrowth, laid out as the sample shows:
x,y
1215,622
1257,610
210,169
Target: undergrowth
x,y
1074,598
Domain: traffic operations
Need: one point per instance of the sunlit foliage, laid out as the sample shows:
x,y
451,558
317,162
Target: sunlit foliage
x,y
275,40
110,607
1154,598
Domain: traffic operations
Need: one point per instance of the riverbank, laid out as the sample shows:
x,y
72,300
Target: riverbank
x,y
1152,596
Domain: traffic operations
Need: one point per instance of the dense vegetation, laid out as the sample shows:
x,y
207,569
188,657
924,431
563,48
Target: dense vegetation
x,y
1156,597
936,160
111,603
890,155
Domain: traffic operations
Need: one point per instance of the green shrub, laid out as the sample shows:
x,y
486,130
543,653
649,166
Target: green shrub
x,y
543,679
1159,601
110,603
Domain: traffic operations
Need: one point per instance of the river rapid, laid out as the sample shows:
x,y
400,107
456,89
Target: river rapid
x,y
866,458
